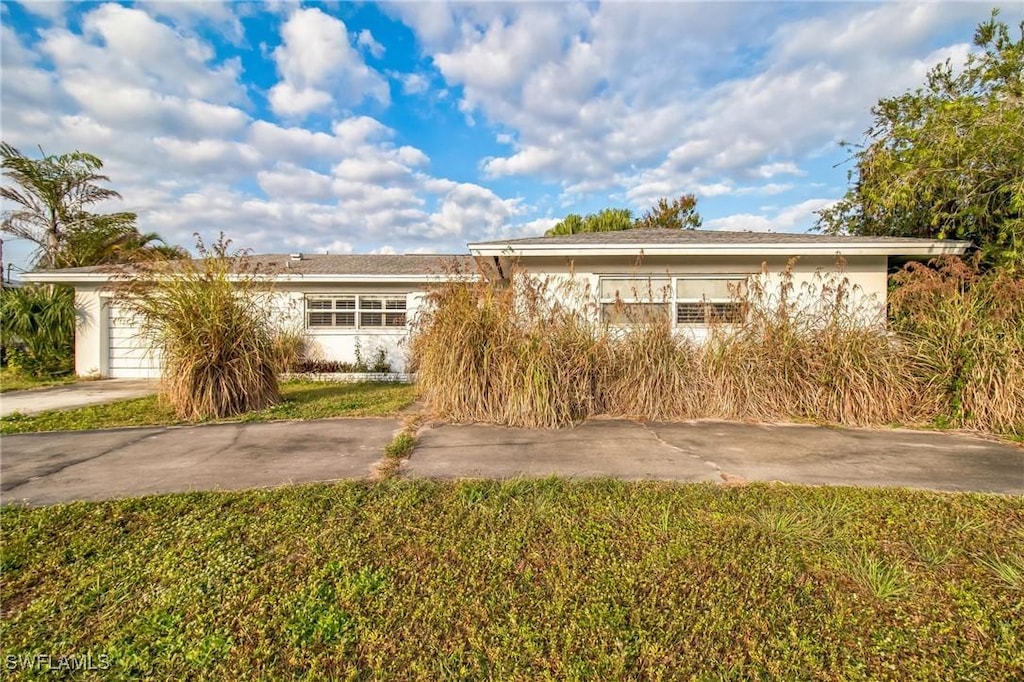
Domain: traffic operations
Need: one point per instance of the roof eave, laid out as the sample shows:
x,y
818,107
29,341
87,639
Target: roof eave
x,y
58,277
931,249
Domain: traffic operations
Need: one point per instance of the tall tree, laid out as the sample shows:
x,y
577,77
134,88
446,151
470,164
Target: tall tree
x,y
677,214
51,197
947,160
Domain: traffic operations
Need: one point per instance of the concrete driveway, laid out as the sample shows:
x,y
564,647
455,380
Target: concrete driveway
x,y
45,468
723,452
74,395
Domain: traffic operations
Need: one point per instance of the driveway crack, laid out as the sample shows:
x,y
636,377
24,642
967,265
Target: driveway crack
x,y
723,475
67,465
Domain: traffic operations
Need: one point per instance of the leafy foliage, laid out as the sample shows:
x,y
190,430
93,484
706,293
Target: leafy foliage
x,y
677,214
52,195
605,220
38,327
210,318
947,160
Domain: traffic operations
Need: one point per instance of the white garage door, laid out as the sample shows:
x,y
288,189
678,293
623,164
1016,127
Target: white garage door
x,y
130,357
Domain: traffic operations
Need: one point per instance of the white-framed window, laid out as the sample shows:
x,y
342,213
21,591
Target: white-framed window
x,y
355,311
703,300
686,299
632,300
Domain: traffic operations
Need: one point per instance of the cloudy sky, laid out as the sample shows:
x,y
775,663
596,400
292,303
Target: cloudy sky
x,y
416,127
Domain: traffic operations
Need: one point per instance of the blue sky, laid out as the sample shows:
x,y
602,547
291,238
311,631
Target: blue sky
x,y
417,127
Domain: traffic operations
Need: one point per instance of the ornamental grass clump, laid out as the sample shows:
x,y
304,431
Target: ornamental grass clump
x,y
506,354
534,352
209,319
816,352
965,328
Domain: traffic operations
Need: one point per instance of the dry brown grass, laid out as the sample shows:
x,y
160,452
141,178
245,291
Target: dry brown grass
x,y
515,355
210,319
966,328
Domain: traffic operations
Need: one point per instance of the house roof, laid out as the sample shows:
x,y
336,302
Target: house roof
x,y
350,267
715,242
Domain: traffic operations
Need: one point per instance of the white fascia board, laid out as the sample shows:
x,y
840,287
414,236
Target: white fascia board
x,y
58,277
933,248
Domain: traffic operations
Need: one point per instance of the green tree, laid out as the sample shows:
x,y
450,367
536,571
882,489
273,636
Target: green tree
x,y
110,239
677,214
605,220
51,197
947,160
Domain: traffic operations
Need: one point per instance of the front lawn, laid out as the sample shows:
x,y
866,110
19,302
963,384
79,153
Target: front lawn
x,y
13,380
522,580
302,400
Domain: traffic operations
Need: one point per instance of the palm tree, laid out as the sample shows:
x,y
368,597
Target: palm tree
x,y
111,239
51,195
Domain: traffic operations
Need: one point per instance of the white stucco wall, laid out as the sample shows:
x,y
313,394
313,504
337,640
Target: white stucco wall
x,y
575,281
288,303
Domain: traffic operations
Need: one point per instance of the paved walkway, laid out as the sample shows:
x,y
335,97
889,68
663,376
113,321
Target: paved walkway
x,y
74,395
724,452
47,468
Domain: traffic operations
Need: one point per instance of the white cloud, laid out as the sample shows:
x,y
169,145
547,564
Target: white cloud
x,y
367,40
655,99
319,68
414,83
798,217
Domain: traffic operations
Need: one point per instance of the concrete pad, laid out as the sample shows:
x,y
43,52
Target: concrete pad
x,y
46,468
74,395
862,457
618,449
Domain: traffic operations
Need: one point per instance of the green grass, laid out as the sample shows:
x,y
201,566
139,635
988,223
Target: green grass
x,y
521,580
12,380
302,400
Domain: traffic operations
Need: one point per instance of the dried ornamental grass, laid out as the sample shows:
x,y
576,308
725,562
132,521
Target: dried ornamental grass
x,y
209,318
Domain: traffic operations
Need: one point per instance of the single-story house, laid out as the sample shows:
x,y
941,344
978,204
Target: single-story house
x,y
371,300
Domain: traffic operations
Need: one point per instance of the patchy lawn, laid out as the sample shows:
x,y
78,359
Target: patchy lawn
x,y
302,400
12,380
522,580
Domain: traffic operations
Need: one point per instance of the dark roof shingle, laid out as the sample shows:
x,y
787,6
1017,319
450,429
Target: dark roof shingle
x,y
666,236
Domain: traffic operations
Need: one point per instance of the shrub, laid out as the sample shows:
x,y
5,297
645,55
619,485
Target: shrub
x,y
210,320
517,354
289,346
38,327
966,329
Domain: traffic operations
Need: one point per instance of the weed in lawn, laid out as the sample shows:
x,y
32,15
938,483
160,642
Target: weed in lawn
x,y
1009,569
885,579
302,400
401,446
525,579
791,525
932,553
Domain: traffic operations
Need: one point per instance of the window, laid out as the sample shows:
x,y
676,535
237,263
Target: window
x,y
630,300
696,300
707,300
344,311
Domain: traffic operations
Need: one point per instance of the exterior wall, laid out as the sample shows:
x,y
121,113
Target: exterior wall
x,y
92,342
571,281
340,344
